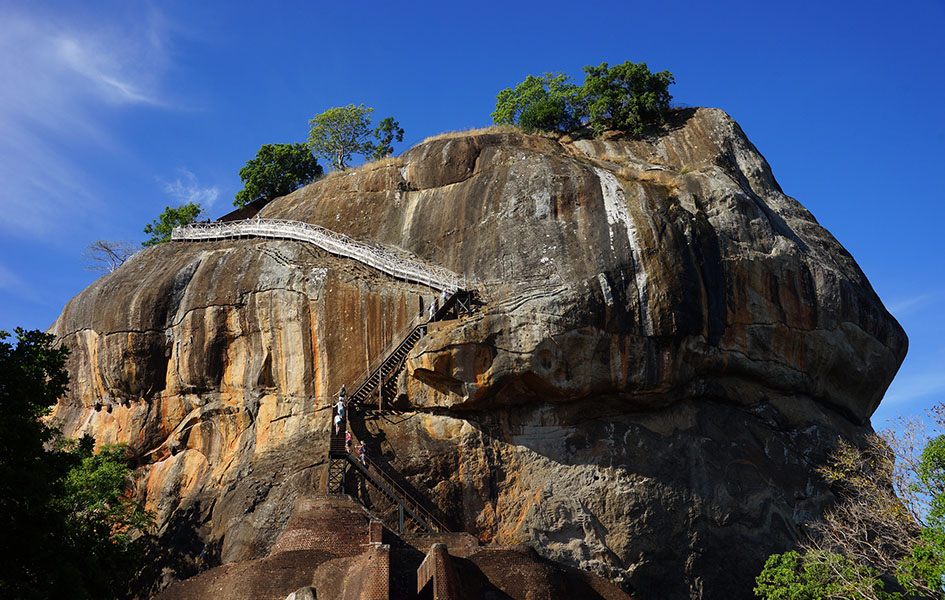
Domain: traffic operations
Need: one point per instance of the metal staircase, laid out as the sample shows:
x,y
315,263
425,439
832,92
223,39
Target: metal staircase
x,y
380,378
408,508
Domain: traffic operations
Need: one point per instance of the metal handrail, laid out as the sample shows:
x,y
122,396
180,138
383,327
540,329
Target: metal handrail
x,y
398,340
405,497
379,257
384,354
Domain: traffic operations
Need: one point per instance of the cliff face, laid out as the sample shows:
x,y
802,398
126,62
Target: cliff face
x,y
667,345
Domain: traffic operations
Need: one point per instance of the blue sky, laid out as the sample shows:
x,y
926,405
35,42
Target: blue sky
x,y
110,111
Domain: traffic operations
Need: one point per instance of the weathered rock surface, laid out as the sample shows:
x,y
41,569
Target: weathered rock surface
x,y
667,346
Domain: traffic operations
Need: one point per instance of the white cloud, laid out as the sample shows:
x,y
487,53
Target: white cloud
x,y
14,284
915,386
905,306
58,72
186,189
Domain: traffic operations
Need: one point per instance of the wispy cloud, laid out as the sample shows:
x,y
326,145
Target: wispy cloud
x,y
916,386
12,283
187,189
61,75
904,306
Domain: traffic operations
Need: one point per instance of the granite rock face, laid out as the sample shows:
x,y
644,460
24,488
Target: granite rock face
x,y
666,346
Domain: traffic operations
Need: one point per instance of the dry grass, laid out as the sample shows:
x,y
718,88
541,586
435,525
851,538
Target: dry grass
x,y
467,132
389,161
664,179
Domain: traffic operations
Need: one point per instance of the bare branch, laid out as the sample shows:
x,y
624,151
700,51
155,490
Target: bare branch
x,y
105,256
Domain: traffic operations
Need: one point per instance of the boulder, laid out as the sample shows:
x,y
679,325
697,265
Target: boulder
x,y
664,348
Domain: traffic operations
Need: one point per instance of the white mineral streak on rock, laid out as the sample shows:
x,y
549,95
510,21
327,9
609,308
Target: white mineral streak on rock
x,y
88,419
411,207
615,204
605,288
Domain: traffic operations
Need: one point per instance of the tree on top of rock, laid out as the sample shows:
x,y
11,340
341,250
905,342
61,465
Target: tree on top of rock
x,y
160,229
339,133
625,97
547,103
387,131
277,170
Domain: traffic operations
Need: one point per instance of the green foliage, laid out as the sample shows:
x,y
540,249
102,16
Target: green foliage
x,y
277,170
160,228
68,526
625,96
871,535
931,477
924,567
386,132
547,103
816,576
338,133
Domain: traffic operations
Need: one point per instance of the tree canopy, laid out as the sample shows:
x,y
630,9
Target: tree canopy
x,y
339,133
550,102
160,228
277,169
886,530
386,132
625,97
65,515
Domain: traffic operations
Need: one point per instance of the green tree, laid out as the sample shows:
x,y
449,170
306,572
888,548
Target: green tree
x,y
338,133
160,228
888,524
64,512
819,575
386,132
625,97
550,102
277,170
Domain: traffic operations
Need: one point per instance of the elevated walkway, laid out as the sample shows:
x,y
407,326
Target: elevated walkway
x,y
376,256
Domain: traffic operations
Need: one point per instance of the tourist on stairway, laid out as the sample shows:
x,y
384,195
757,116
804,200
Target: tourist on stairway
x,y
362,453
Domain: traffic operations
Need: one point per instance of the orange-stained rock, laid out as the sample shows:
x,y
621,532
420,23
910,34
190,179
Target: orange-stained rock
x,y
667,345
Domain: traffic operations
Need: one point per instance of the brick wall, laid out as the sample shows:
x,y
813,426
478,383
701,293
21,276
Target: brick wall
x,y
376,535
377,581
438,567
458,544
333,524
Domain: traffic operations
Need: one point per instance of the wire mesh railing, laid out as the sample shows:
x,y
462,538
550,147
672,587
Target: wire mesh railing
x,y
376,256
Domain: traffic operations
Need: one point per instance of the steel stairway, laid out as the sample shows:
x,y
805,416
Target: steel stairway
x,y
380,378
381,375
340,463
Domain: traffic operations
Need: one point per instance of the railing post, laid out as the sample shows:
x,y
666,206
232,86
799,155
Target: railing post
x,y
400,524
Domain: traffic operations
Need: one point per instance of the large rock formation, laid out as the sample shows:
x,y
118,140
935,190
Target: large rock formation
x,y
667,346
